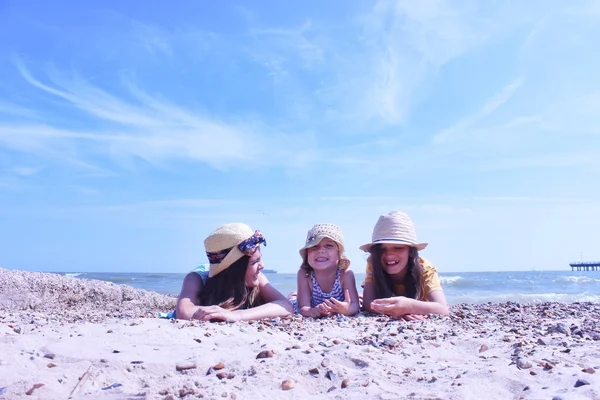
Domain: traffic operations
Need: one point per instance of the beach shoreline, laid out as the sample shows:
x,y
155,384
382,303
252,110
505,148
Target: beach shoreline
x,y
97,340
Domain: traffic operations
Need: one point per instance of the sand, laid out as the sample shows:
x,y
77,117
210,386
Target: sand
x,y
64,337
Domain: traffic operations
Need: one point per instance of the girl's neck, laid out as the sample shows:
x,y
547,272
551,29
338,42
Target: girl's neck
x,y
325,273
400,277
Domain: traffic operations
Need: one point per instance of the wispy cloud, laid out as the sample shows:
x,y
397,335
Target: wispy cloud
x,y
144,126
462,126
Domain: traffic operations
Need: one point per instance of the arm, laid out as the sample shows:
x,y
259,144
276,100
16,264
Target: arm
x,y
304,295
368,296
349,284
276,305
350,305
188,298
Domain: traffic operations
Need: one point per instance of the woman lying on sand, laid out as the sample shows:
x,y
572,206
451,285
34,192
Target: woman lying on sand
x,y
233,289
398,282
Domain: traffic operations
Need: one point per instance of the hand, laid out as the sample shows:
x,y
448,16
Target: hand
x,y
210,313
335,306
317,312
393,306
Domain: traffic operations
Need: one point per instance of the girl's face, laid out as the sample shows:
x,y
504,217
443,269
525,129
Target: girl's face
x,y
324,255
394,257
254,267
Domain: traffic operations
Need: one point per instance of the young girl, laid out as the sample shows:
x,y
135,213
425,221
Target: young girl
x,y
398,282
233,288
325,284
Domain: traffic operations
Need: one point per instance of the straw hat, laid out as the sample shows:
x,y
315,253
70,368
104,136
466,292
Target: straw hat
x,y
223,245
322,231
395,227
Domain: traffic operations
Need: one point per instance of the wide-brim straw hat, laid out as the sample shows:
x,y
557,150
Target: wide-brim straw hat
x,y
225,237
396,228
322,231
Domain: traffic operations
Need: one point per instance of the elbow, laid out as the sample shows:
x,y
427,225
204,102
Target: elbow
x,y
182,312
287,306
444,309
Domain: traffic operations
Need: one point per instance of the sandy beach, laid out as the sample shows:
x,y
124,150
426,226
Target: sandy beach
x,y
63,337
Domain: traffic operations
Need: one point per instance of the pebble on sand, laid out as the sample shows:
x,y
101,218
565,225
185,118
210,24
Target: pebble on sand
x,y
288,384
265,354
581,382
185,367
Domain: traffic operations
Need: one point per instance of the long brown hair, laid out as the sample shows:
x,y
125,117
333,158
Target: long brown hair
x,y
382,281
228,288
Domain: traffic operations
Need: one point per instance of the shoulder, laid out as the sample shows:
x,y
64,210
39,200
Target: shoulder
x,y
201,271
303,274
428,266
347,274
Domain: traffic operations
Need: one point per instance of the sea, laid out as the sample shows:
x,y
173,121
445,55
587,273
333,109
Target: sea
x,y
532,287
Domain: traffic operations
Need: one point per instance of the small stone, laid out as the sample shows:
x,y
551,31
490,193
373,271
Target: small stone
x,y
17,329
326,362
589,370
185,367
557,398
336,341
331,389
541,342
103,360
345,383
581,382
39,385
288,384
532,372
51,365
219,366
265,354
313,371
109,331
116,351
223,375
526,388
483,348
330,375
359,363
49,355
523,364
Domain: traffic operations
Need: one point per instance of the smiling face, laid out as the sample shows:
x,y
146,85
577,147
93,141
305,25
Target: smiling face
x,y
253,270
394,258
324,255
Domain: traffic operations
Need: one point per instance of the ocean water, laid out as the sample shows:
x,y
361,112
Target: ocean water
x,y
460,287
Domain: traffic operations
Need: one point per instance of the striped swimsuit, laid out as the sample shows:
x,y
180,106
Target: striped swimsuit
x,y
318,295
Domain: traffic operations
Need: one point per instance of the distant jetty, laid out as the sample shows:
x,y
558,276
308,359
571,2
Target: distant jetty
x,y
269,271
585,266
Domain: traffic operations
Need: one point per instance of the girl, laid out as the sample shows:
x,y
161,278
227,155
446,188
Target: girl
x,y
233,288
398,282
325,284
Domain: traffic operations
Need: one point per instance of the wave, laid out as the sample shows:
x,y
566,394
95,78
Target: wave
x,y
450,280
74,274
576,279
529,298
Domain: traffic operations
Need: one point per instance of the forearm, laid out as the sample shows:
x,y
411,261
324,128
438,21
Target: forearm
x,y
185,309
352,309
306,311
427,307
278,308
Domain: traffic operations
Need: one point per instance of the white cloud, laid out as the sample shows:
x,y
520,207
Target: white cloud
x,y
148,127
459,129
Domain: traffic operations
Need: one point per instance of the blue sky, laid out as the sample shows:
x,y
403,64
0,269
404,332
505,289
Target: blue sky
x,y
130,130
